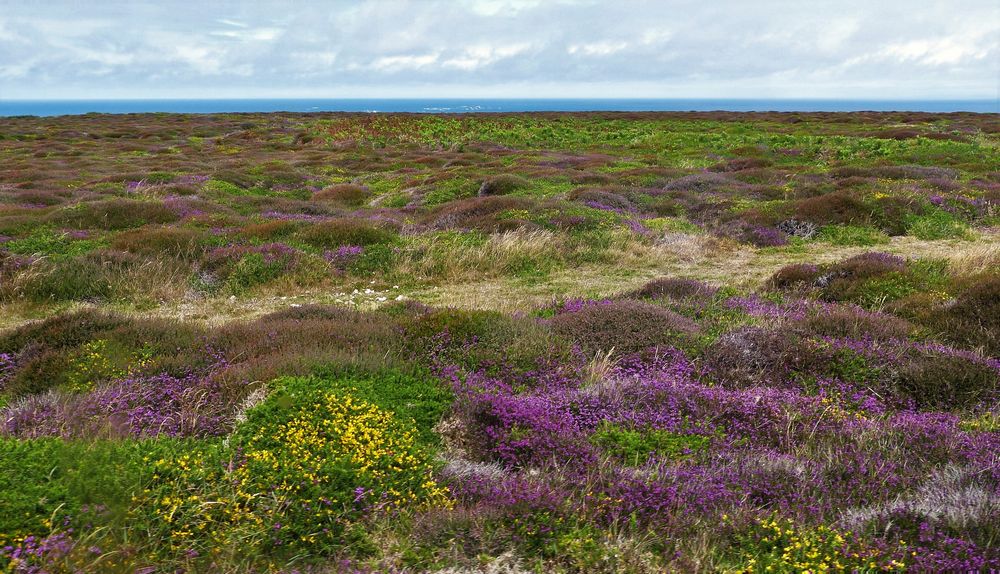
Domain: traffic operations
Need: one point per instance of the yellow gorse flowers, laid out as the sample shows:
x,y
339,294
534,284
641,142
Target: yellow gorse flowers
x,y
292,476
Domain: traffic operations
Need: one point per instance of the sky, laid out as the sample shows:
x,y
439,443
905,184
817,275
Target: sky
x,y
871,49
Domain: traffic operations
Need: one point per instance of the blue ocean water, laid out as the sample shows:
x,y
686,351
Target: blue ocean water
x,y
71,107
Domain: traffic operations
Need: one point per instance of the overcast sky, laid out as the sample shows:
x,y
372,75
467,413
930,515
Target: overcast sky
x,y
500,48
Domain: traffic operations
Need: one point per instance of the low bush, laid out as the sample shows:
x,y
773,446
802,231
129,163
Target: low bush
x,y
849,321
635,446
942,379
113,214
794,276
852,235
483,213
344,193
673,288
938,224
751,356
243,267
270,230
340,232
838,207
502,185
974,317
162,241
623,326
602,199
86,277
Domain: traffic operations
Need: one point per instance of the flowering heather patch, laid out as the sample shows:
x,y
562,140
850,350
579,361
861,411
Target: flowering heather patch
x,y
330,350
342,257
132,407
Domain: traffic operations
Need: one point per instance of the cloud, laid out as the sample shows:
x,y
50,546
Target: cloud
x,y
597,48
517,48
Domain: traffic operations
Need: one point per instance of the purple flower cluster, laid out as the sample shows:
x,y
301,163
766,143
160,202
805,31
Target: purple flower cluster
x,y
756,306
342,257
138,406
134,186
893,351
294,216
272,253
534,455
39,554
7,367
574,305
191,179
184,207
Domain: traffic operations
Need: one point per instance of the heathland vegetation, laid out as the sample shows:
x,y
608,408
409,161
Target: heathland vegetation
x,y
528,342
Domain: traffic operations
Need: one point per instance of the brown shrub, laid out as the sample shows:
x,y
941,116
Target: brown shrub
x,y
625,326
61,331
674,288
113,214
974,318
180,243
478,213
339,232
752,356
833,208
270,230
794,275
741,163
502,185
849,321
941,380
600,197
344,193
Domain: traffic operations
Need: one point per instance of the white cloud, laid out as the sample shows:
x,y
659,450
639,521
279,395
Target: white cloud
x,y
597,48
479,56
937,52
261,34
398,63
514,48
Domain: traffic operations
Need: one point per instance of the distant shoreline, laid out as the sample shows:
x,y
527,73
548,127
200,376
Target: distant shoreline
x,y
48,108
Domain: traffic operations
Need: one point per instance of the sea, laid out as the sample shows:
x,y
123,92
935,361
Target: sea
x,y
458,106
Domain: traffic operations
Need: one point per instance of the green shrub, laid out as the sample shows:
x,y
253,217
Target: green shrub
x,y
772,545
938,224
416,398
333,455
251,270
850,235
85,277
340,232
47,241
635,446
44,481
224,187
113,214
162,241
374,259
344,193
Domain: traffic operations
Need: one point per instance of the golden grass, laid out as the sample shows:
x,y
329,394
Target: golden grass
x,y
474,278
